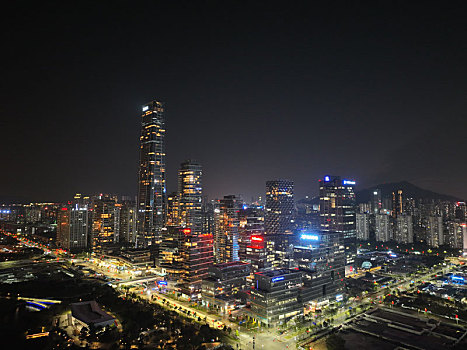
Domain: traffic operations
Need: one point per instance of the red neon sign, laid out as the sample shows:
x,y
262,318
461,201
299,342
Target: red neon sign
x,y
187,230
257,238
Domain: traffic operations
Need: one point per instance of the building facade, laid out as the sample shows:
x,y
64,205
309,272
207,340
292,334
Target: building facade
x,y
151,185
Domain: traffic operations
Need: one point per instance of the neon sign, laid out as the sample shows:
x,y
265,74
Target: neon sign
x,y
348,182
256,238
309,237
162,283
327,178
277,279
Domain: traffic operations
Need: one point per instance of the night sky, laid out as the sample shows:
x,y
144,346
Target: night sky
x,y
370,90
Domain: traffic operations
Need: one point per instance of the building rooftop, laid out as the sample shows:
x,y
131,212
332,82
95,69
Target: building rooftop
x,y
89,312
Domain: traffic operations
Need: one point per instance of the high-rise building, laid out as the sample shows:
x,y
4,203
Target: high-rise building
x,y
363,226
251,223
337,211
280,206
152,187
185,257
435,231
63,228
376,201
404,229
320,256
190,195
105,222
128,222
397,203
72,227
383,227
457,234
226,245
173,203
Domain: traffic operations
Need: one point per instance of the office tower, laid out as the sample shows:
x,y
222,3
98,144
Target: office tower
x,y
251,222
383,227
337,211
190,195
435,231
404,229
363,226
185,257
260,253
376,201
280,205
128,222
321,259
397,203
105,220
221,287
460,211
173,204
151,191
197,256
63,228
275,298
226,229
72,227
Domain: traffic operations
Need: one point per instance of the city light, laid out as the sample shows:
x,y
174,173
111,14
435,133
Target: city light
x,y
327,178
277,279
257,238
309,237
348,182
145,108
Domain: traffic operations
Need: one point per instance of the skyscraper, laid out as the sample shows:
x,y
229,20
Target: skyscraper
x,y
435,231
190,195
397,203
337,211
383,227
105,222
152,189
279,207
404,229
363,226
226,245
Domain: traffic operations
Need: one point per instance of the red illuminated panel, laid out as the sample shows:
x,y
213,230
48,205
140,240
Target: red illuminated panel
x,y
257,238
187,230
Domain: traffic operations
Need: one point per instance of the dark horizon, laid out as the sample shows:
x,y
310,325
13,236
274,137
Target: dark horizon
x,y
373,92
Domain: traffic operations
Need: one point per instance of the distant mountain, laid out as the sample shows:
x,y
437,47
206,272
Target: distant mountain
x,y
409,191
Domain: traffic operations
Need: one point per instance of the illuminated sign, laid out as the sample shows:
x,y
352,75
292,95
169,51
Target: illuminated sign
x,y
310,237
339,297
257,238
457,278
375,193
277,279
187,230
145,108
327,178
348,182
162,283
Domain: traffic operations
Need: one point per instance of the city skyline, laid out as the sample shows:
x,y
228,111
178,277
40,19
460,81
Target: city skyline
x,y
265,93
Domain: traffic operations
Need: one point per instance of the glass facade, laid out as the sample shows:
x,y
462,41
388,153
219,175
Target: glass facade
x,y
152,186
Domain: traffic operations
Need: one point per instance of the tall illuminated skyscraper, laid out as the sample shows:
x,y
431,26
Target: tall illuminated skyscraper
x,y
152,190
190,194
337,211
